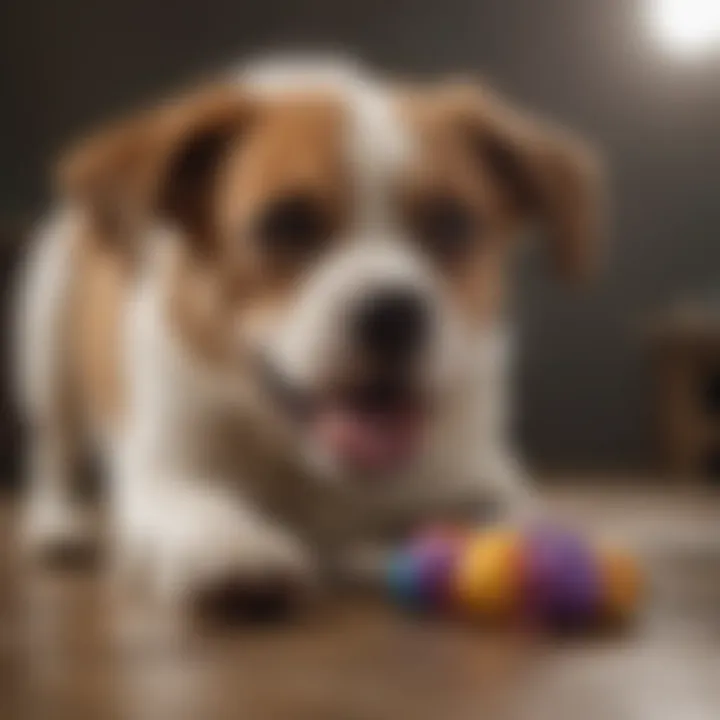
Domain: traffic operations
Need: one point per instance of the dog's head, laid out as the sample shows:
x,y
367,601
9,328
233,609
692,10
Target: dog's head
x,y
345,241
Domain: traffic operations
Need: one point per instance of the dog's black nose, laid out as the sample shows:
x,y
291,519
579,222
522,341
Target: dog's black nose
x,y
392,324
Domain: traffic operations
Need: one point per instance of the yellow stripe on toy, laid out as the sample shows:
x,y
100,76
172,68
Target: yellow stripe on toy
x,y
488,575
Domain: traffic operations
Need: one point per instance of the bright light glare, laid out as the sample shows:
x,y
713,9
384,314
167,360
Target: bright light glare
x,y
688,25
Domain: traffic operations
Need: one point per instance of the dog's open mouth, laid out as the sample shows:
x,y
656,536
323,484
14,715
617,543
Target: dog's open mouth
x,y
374,426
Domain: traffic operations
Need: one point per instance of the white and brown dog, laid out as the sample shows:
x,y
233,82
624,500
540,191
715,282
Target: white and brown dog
x,y
275,309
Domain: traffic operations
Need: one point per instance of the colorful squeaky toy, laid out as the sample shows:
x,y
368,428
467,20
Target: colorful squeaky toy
x,y
544,576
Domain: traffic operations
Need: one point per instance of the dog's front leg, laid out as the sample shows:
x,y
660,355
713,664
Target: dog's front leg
x,y
483,490
198,540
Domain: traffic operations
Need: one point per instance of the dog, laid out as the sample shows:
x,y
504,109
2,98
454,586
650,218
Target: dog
x,y
274,308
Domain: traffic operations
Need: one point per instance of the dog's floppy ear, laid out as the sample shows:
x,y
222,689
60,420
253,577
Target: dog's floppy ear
x,y
552,178
161,162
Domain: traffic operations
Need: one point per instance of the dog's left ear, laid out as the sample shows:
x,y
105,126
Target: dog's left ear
x,y
551,178
162,162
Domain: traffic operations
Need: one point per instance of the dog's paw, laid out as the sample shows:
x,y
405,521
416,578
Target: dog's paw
x,y
58,532
221,561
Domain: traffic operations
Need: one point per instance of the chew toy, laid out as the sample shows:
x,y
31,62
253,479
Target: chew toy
x,y
544,576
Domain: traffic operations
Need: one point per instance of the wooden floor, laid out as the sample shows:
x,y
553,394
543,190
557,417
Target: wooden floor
x,y
70,647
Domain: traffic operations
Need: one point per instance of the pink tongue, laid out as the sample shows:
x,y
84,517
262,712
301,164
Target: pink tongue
x,y
377,441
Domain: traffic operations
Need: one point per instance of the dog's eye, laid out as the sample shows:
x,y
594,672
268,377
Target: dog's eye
x,y
293,226
446,227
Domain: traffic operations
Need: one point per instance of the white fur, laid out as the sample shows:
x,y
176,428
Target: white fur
x,y
53,520
40,302
179,508
190,512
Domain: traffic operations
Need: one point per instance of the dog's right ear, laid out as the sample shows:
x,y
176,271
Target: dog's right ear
x,y
551,178
160,163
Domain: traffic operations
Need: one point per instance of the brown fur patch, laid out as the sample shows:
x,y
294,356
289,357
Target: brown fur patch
x,y
446,168
514,171
294,149
95,305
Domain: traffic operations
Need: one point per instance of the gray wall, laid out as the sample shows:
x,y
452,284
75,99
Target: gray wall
x,y
592,63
